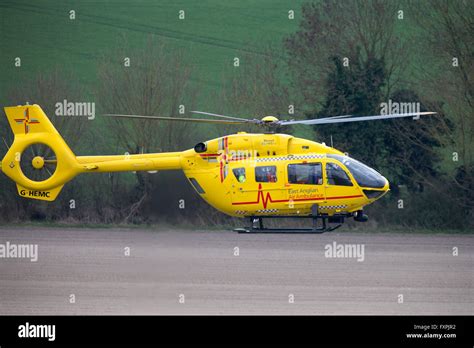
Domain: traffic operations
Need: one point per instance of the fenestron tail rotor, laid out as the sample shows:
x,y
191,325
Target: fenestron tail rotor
x,y
38,162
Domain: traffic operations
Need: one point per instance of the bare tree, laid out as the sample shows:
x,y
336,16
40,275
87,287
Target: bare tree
x,y
446,74
150,80
255,89
352,29
47,89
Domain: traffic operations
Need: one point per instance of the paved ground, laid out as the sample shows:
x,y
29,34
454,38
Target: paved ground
x,y
91,264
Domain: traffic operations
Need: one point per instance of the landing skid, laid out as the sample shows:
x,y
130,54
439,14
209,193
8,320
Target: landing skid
x,y
256,225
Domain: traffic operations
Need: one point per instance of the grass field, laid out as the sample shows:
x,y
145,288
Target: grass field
x,y
212,34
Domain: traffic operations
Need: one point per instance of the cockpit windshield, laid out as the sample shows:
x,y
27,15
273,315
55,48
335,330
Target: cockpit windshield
x,y
364,175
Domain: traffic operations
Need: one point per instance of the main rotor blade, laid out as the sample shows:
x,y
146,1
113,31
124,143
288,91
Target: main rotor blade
x,y
339,119
180,119
335,117
286,122
222,116
5,142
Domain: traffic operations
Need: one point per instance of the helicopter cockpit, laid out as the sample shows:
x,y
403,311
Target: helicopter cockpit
x,y
363,174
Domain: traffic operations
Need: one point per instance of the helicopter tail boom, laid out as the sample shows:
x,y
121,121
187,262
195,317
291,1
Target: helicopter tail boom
x,y
128,163
40,162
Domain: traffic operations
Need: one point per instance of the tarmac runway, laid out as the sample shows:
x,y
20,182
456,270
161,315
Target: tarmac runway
x,y
202,272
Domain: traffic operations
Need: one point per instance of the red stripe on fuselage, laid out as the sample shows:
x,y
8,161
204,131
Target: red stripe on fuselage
x,y
342,197
221,169
268,198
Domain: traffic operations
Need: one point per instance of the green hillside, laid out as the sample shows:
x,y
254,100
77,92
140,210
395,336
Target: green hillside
x,y
212,34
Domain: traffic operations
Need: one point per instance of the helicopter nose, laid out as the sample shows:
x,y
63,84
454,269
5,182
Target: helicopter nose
x,y
376,193
386,188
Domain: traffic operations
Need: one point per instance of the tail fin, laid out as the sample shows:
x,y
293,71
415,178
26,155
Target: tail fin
x,y
39,160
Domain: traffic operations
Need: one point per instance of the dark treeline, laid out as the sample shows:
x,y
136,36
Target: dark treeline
x,y
347,57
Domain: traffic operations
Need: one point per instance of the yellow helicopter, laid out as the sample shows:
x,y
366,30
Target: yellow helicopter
x,y
256,176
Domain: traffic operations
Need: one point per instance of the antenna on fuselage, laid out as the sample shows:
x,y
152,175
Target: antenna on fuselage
x,y
332,145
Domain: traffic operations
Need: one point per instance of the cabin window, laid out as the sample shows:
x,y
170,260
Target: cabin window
x,y
239,174
265,174
336,175
305,174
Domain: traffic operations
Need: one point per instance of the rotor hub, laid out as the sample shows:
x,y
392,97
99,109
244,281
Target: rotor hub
x,y
37,162
269,119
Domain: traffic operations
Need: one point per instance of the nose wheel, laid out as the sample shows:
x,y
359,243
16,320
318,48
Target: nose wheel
x,y
360,216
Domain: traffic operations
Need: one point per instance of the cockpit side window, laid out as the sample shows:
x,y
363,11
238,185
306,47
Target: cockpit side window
x,y
239,174
363,174
336,175
265,174
305,174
